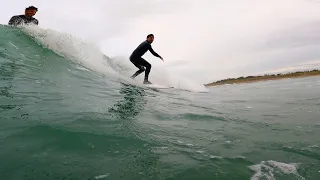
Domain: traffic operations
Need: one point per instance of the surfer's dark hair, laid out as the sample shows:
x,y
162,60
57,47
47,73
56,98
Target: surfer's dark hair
x,y
31,8
149,35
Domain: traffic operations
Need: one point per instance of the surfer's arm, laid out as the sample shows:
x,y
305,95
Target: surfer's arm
x,y
36,21
15,20
154,53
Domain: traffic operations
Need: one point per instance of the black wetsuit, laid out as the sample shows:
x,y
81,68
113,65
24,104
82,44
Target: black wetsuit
x,y
22,19
139,62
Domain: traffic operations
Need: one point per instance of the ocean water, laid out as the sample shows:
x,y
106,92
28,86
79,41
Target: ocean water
x,y
67,111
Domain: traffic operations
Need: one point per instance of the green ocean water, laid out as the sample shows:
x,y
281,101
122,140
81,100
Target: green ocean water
x,y
61,120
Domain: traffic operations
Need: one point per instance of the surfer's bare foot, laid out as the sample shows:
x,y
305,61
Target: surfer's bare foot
x,y
146,82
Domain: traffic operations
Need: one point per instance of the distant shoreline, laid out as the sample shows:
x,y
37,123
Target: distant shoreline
x,y
266,77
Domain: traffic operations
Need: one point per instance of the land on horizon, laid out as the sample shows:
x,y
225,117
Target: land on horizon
x,y
266,77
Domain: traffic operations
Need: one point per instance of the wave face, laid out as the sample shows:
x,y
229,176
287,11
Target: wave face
x,y
67,111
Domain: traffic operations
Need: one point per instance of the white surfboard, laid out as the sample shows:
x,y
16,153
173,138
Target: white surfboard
x,y
158,86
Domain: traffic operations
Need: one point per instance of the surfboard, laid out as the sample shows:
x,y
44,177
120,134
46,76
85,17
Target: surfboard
x,y
158,86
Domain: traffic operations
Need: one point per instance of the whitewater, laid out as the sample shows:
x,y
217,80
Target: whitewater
x,y
69,111
90,57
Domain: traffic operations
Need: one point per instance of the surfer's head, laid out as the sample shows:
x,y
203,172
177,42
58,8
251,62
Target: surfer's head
x,y
30,11
150,38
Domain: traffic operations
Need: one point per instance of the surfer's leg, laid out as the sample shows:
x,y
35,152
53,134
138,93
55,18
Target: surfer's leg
x,y
141,69
137,73
148,68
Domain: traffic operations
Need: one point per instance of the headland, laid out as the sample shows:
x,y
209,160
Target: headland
x,y
266,77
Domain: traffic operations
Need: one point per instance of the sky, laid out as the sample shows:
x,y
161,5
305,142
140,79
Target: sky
x,y
203,40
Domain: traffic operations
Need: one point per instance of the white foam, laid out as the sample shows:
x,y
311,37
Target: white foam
x,y
163,147
90,57
71,48
82,68
102,176
13,45
240,157
269,170
184,84
200,152
215,157
314,146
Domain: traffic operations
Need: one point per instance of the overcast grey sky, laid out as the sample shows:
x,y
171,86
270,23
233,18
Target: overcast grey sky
x,y
203,40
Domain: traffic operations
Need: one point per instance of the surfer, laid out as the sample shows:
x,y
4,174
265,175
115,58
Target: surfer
x,y
26,18
139,62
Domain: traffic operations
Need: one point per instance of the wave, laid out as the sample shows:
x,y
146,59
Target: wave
x,y
89,56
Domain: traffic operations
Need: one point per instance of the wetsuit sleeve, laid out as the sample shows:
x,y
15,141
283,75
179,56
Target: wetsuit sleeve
x,y
15,20
36,21
154,53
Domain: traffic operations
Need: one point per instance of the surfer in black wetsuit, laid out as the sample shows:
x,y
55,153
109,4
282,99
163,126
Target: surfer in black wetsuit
x,y
26,18
139,62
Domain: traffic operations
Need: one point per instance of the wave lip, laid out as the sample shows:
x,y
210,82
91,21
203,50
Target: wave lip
x,y
91,57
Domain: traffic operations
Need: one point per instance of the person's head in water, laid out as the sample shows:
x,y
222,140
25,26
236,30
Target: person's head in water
x,y
150,38
30,11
